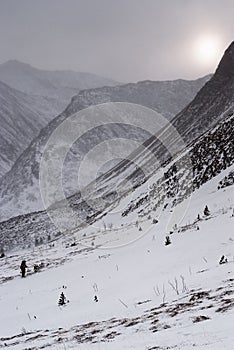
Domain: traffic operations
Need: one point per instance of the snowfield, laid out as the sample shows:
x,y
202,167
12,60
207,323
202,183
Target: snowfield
x,y
144,257
150,296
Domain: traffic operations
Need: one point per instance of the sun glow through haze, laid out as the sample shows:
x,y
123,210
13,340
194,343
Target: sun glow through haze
x,y
207,50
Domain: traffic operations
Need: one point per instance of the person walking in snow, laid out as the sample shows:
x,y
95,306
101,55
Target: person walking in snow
x,y
23,267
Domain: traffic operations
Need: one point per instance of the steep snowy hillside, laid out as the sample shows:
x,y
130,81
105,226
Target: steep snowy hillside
x,y
124,287
22,116
213,103
211,155
208,157
19,189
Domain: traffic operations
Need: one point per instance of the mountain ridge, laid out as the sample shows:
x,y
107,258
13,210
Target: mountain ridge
x,y
45,93
209,152
22,116
17,185
59,83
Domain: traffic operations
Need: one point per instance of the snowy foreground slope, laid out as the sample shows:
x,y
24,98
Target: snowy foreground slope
x,y
134,276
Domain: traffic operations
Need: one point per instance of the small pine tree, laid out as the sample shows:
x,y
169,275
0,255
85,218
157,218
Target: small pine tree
x,y
36,242
2,253
198,217
36,268
168,240
62,299
206,211
95,299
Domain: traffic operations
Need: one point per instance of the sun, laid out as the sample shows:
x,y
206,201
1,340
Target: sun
x,y
207,50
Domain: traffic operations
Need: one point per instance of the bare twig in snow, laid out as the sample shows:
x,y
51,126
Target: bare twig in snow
x,y
123,303
174,286
184,287
164,294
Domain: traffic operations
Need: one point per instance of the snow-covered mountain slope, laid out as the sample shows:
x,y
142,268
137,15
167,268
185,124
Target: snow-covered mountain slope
x,y
218,97
58,84
213,103
25,90
22,116
214,99
208,157
125,287
19,189
150,296
212,154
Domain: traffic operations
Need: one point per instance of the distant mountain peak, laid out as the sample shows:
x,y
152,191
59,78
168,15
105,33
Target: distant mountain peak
x,y
59,84
16,63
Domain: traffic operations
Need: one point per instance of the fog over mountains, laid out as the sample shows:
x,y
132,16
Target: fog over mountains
x,y
211,107
207,152
21,187
56,84
22,116
214,102
29,99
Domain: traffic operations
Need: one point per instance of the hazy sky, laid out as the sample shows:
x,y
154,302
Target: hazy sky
x,y
127,40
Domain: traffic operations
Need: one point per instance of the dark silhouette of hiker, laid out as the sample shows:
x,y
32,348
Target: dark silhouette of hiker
x,y
23,267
